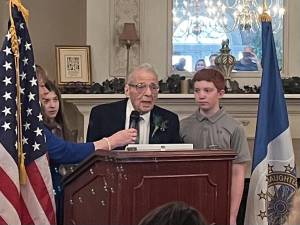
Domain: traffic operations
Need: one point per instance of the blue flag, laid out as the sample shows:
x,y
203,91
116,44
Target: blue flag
x,y
273,179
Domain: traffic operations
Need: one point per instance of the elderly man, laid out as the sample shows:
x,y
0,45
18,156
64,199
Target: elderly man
x,y
65,152
156,125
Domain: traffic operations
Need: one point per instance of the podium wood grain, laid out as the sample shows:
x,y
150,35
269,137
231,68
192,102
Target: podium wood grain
x,y
119,188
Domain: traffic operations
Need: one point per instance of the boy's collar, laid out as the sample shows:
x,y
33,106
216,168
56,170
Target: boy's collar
x,y
212,118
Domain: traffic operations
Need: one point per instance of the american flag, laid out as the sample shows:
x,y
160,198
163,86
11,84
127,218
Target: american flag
x,y
33,202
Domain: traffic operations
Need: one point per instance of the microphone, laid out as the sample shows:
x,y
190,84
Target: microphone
x,y
134,123
134,120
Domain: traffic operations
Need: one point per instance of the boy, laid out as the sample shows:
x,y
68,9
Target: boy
x,y
211,127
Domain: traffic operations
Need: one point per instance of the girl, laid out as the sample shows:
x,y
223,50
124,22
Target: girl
x,y
54,121
53,113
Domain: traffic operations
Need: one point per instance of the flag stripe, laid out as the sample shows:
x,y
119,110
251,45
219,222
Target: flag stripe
x,y
2,222
260,173
282,141
9,166
9,191
272,118
8,212
26,218
39,187
43,166
33,205
11,200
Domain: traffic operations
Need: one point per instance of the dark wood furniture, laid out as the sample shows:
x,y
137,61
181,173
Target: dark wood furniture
x,y
119,188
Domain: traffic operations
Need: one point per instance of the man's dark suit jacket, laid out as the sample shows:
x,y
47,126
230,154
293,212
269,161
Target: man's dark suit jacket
x,y
107,119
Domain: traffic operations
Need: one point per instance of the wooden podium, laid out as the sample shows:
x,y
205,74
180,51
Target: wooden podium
x,y
119,187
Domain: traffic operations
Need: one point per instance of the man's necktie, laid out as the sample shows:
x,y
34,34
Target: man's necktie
x,y
139,138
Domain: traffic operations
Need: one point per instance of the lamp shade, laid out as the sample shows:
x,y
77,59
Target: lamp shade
x,y
129,34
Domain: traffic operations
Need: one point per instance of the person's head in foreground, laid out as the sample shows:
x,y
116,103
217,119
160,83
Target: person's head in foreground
x,y
173,213
209,88
142,88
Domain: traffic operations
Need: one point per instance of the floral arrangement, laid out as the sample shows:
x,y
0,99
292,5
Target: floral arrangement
x,y
159,124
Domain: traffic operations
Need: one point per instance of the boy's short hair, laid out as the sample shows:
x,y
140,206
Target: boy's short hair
x,y
210,75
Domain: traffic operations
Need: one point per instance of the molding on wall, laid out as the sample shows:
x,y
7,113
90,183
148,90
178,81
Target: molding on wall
x,y
122,12
286,30
240,106
153,19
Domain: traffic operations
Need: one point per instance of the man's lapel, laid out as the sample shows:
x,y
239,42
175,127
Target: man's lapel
x,y
151,126
121,118
154,137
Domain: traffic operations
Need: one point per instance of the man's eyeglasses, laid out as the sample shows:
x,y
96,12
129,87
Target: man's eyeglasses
x,y
142,87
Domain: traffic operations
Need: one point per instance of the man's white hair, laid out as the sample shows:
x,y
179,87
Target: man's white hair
x,y
144,67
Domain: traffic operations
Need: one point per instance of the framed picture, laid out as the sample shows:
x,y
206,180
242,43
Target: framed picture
x,y
73,64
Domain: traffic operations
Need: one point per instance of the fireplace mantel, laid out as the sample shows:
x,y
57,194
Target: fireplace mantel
x,y
241,106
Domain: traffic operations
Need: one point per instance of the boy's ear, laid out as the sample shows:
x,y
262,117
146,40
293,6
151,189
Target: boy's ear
x,y
221,93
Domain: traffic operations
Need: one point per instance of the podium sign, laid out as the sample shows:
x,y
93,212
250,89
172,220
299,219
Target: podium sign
x,y
120,188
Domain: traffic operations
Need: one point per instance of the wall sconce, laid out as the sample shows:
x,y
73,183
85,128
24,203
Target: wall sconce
x,y
128,38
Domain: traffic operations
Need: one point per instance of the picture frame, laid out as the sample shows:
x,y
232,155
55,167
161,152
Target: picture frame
x,y
73,64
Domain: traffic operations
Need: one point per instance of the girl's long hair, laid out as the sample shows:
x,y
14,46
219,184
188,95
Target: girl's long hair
x,y
59,118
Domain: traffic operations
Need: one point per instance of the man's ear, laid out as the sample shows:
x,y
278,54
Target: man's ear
x,y
126,90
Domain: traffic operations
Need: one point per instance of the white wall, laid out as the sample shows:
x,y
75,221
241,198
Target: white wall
x,y
293,37
99,22
98,37
153,26
51,22
154,35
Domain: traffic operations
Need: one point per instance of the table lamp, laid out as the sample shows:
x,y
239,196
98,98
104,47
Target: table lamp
x,y
128,38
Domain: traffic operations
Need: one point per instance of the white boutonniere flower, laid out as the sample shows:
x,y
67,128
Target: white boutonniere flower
x,y
159,124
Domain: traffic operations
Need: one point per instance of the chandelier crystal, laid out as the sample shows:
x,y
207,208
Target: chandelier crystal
x,y
224,15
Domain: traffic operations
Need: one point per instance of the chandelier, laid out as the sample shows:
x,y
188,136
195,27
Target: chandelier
x,y
224,15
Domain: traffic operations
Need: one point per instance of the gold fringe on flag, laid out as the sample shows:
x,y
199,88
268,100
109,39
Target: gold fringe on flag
x,y
265,17
21,8
15,49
